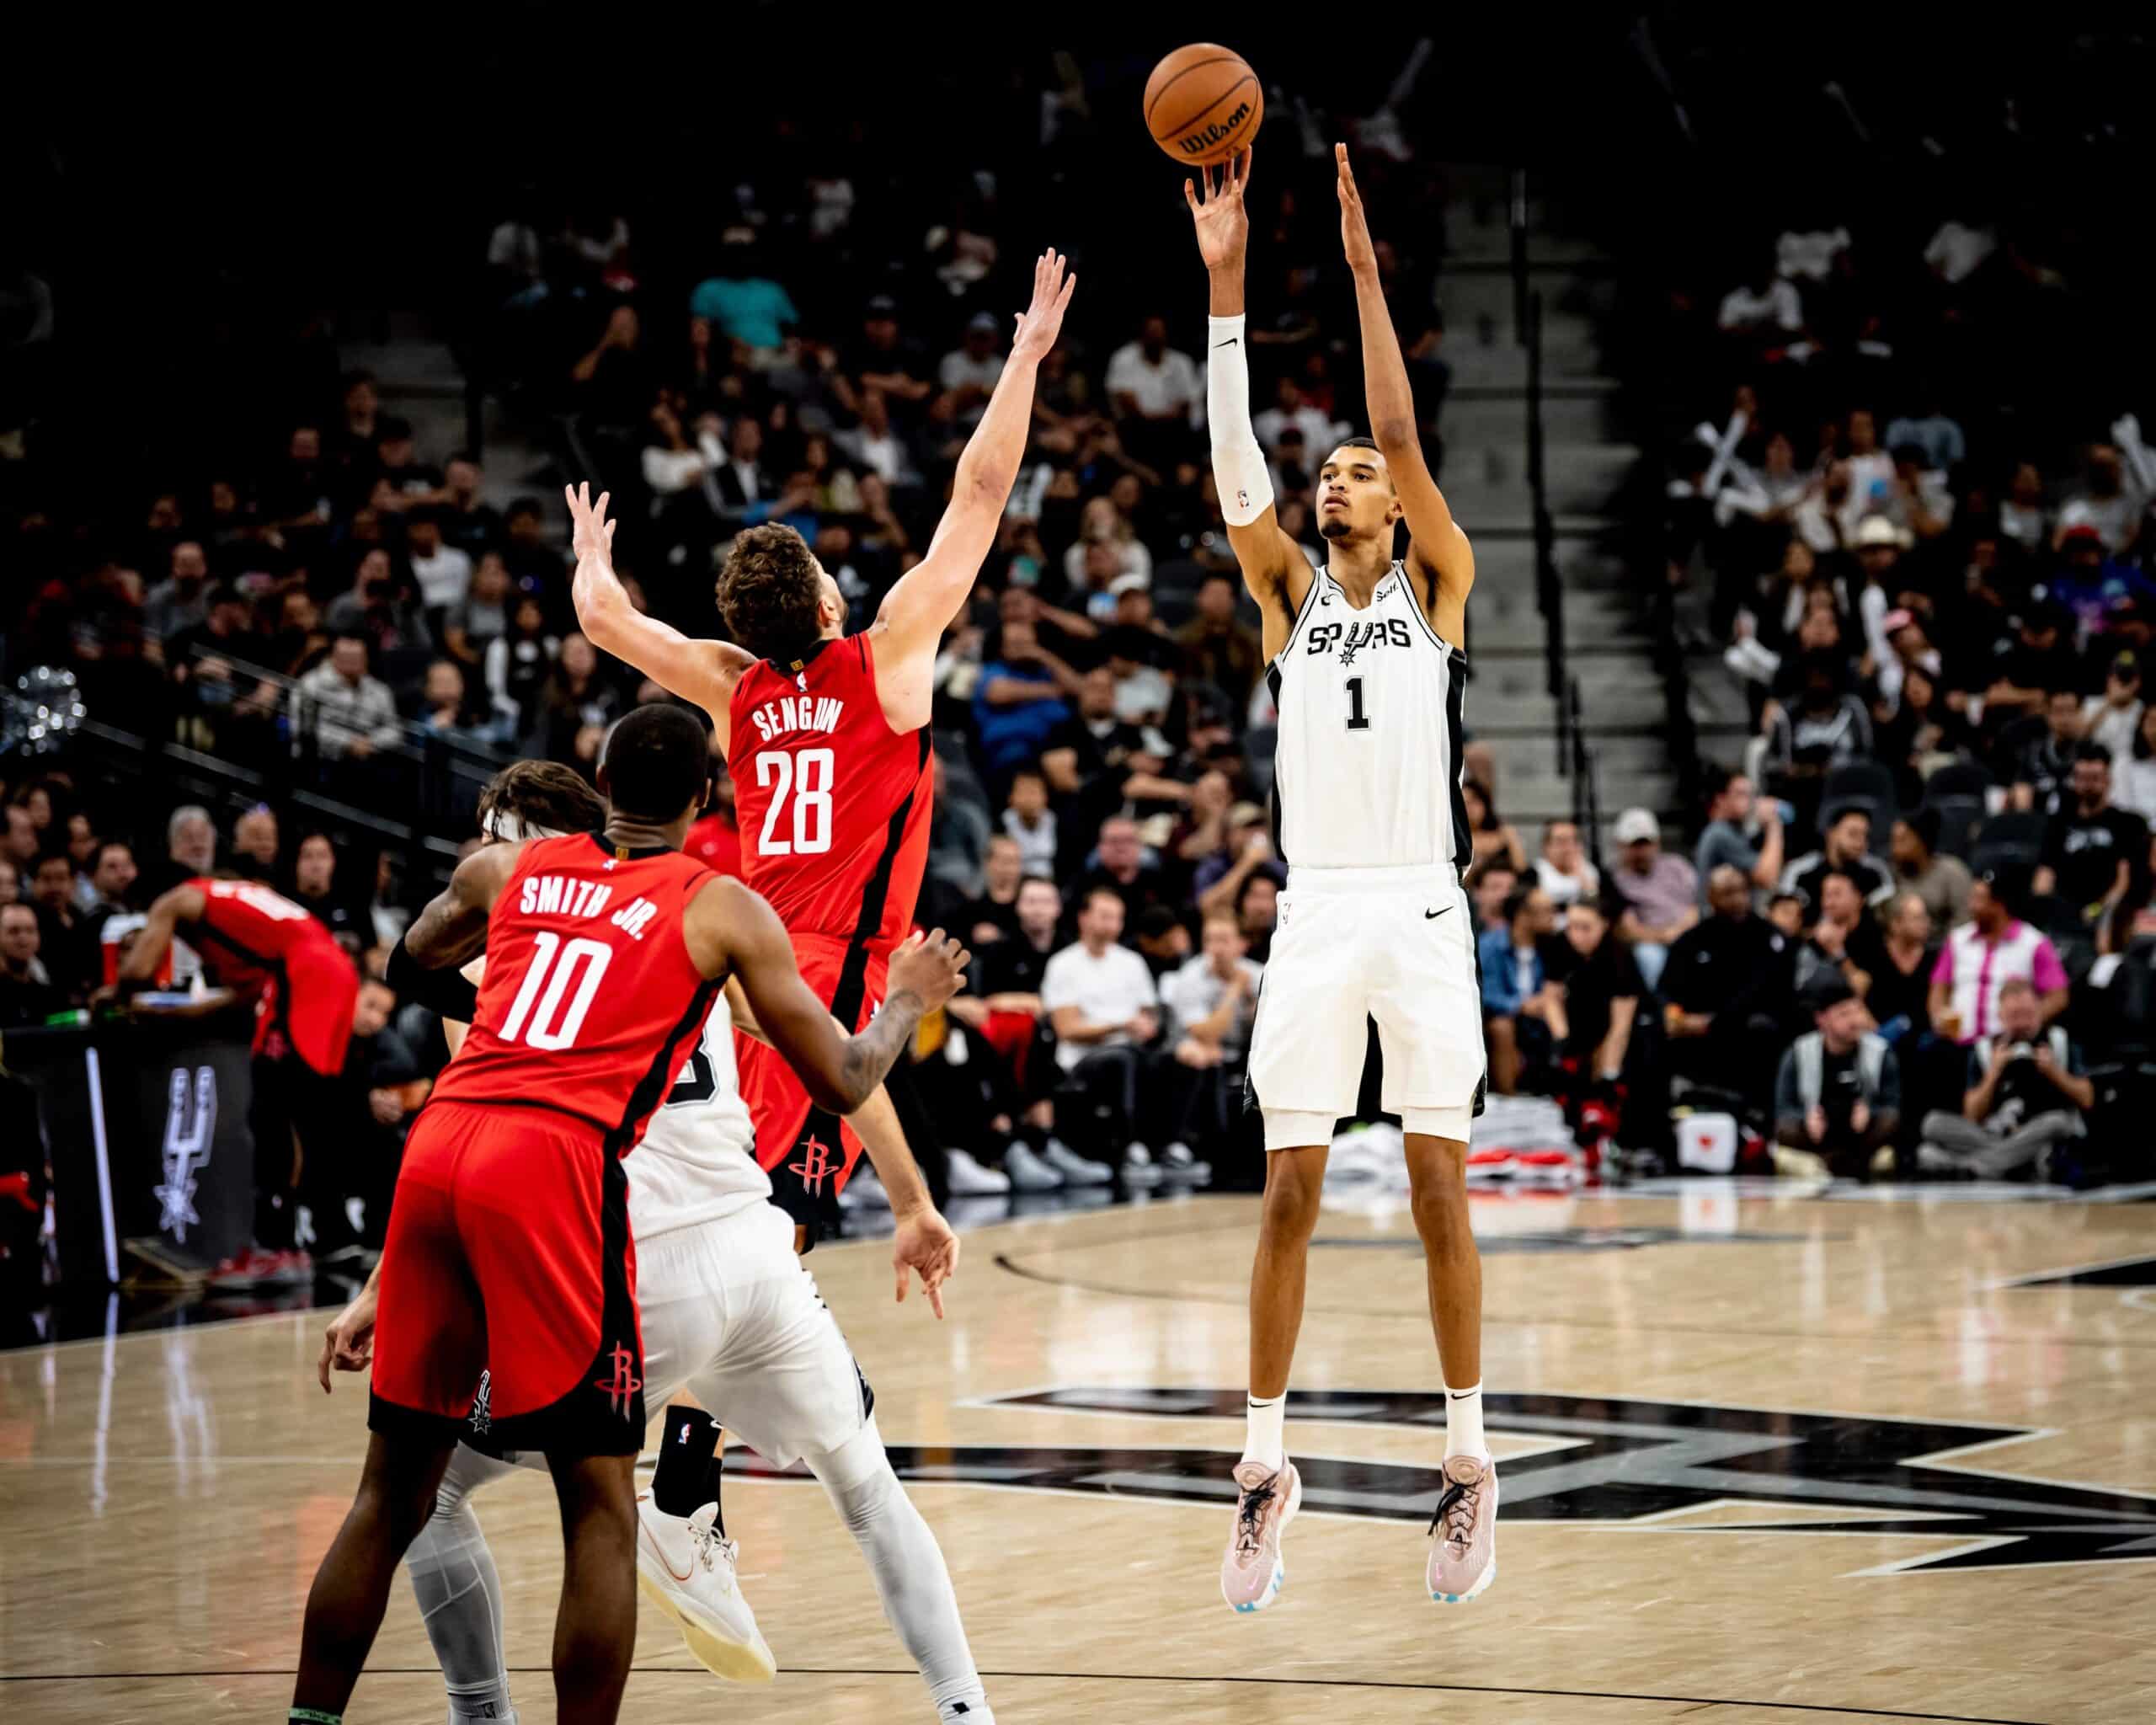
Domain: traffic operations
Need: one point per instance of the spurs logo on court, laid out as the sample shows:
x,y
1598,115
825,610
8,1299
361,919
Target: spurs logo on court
x,y
191,1124
483,1416
1659,1467
817,1164
622,1388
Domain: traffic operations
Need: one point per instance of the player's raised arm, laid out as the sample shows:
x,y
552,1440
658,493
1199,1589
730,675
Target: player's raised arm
x,y
700,671
1274,570
729,928
921,604
1440,552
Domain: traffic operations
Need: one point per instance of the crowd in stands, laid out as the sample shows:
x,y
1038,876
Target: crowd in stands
x,y
1924,889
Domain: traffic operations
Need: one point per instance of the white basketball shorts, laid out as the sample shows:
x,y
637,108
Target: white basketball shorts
x,y
1354,944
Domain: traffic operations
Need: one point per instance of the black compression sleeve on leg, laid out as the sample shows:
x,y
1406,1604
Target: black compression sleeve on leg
x,y
680,1485
445,991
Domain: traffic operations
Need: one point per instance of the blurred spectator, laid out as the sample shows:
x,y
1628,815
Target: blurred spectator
x,y
443,570
2113,718
744,304
1257,905
534,565
518,662
1602,988
2104,501
1211,1002
66,945
314,888
1101,999
1981,957
992,915
468,522
1162,940
1320,432
1523,1016
1837,1096
969,371
1899,973
2027,1094
190,845
379,610
2108,602
1660,893
1941,882
1842,940
1123,866
1106,549
2045,765
380,1089
1729,983
255,843
2133,774
181,601
1157,393
1491,884
18,854
1029,822
576,703
472,626
1845,846
1022,697
112,880
2092,851
1494,837
1724,841
1763,309
1218,648
349,714
27,995
1562,870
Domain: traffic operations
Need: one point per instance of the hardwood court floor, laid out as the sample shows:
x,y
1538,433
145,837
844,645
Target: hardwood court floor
x,y
1713,1417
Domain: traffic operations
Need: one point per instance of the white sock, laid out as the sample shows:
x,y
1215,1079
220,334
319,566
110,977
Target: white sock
x,y
909,1570
1464,1423
1263,1439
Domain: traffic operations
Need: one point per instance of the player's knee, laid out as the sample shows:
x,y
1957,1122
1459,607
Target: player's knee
x,y
1439,1206
1292,1197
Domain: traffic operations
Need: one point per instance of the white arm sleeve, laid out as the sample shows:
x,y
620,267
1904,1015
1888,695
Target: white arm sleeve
x,y
1239,469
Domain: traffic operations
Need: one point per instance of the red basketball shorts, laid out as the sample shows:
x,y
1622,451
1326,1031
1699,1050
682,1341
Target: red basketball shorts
x,y
308,1008
809,1153
508,1306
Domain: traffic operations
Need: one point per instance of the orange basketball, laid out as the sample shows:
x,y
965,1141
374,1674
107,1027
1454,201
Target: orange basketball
x,y
1202,104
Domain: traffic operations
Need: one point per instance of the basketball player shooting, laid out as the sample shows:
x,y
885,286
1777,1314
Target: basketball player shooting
x,y
1365,665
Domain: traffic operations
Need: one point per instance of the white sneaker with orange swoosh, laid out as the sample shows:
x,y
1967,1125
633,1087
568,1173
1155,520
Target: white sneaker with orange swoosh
x,y
685,1567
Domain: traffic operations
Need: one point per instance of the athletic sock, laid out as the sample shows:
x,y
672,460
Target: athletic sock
x,y
965,1713
715,1477
1263,1439
679,1487
313,1715
1464,1423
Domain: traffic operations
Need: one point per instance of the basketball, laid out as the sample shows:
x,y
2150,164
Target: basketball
x,y
1202,104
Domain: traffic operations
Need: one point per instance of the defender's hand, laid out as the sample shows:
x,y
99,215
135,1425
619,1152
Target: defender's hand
x,y
1039,323
1222,222
925,1246
929,965
1354,231
347,1344
592,535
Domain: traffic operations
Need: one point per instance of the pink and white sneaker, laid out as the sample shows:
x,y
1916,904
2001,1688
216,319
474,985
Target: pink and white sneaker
x,y
1463,1531
1252,1573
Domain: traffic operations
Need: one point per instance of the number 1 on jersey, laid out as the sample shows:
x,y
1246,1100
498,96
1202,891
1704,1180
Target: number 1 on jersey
x,y
807,774
1357,719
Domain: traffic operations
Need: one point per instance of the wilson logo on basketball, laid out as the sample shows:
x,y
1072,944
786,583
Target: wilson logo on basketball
x,y
817,1164
622,1388
1196,143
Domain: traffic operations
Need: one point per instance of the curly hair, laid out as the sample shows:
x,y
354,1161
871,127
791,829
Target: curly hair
x,y
540,793
768,593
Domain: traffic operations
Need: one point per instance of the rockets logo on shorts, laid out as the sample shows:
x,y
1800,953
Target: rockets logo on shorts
x,y
622,1388
817,1164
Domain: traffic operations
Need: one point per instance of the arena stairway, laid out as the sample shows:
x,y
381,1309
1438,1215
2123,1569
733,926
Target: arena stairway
x,y
1589,461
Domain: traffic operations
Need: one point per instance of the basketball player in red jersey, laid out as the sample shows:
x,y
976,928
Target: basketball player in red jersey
x,y
826,735
259,943
508,1280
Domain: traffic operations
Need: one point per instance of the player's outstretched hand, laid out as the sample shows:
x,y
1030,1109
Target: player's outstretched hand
x,y
347,1344
1040,322
592,535
1354,231
924,1245
1222,222
929,965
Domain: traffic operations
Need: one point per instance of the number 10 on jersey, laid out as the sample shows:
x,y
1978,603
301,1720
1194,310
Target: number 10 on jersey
x,y
804,777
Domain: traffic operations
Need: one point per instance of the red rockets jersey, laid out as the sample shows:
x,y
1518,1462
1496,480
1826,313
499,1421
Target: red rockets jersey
x,y
248,932
833,804
590,1005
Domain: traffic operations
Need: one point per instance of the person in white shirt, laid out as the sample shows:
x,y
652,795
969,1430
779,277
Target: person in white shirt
x,y
1029,821
969,371
1762,308
443,571
2133,773
1101,1002
1148,380
2113,717
1562,870
1212,1002
1289,409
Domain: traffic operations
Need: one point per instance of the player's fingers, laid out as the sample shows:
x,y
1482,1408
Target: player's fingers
x,y
936,1301
1063,299
902,1284
1248,155
322,1365
1190,194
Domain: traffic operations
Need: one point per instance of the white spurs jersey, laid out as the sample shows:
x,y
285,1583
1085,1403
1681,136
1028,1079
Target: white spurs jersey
x,y
696,1161
1367,774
